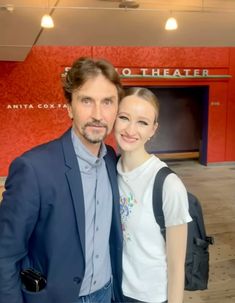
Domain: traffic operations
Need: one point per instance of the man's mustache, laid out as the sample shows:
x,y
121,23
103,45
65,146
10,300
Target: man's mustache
x,y
96,123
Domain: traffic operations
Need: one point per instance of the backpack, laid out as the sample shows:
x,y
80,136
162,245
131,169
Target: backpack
x,y
197,254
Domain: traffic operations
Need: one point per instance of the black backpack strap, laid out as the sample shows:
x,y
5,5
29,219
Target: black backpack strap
x,y
157,197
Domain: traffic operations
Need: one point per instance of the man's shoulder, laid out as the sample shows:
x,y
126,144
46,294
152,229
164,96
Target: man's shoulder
x,y
42,148
51,147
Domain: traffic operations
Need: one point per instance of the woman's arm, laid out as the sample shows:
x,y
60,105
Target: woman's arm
x,y
176,242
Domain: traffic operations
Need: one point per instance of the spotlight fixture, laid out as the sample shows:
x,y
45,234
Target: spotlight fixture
x,y
47,21
128,4
8,8
171,24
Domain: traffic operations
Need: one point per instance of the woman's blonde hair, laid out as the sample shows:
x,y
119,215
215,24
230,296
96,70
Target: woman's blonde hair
x,y
145,94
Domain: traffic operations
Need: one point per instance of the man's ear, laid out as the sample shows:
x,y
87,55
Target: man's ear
x,y
69,109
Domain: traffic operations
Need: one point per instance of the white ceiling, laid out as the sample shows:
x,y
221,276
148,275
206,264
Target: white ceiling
x,y
102,22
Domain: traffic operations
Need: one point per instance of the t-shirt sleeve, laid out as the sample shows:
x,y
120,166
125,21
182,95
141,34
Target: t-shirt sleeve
x,y
175,201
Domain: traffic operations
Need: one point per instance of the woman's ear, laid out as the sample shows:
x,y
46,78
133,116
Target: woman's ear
x,y
155,127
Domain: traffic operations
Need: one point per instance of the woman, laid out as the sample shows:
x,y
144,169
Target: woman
x,y
153,270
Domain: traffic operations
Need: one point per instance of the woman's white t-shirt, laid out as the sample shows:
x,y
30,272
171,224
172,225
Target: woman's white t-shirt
x,y
144,253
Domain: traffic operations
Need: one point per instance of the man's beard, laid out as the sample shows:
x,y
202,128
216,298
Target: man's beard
x,y
94,137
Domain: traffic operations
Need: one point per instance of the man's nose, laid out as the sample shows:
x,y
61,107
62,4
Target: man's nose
x,y
97,113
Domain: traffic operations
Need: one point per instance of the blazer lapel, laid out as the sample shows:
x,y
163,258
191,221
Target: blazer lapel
x,y
75,183
111,168
110,164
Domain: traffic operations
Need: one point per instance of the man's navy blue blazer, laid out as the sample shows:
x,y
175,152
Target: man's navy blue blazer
x,y
42,224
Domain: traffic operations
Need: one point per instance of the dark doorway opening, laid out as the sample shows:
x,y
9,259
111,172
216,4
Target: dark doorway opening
x,y
183,123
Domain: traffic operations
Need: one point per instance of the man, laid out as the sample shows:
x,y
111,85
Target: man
x,y
60,211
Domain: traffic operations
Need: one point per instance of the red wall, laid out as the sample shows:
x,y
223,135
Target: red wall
x,y
36,82
230,119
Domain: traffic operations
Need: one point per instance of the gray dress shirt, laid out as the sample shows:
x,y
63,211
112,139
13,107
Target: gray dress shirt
x,y
98,212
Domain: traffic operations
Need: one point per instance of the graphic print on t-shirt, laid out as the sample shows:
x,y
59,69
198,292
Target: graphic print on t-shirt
x,y
126,206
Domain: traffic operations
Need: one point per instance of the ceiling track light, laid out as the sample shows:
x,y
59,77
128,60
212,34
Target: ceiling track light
x,y
47,21
171,24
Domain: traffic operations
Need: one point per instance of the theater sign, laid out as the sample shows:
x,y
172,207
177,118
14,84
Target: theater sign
x,y
167,73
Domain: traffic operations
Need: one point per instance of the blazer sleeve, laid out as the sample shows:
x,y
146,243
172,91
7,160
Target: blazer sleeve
x,y
18,215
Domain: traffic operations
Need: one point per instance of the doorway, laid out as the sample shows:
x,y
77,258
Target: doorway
x,y
183,123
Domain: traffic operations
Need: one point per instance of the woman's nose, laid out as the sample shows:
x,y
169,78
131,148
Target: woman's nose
x,y
130,129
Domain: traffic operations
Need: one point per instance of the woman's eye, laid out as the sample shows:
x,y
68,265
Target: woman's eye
x,y
143,123
123,117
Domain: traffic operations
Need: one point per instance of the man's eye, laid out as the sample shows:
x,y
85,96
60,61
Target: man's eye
x,y
108,101
86,100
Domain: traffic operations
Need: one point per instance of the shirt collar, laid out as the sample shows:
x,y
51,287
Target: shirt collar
x,y
84,154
